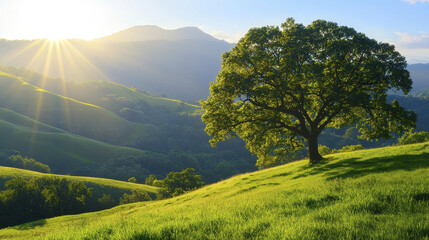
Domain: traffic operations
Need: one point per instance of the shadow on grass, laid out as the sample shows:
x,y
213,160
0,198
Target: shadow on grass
x,y
355,167
30,225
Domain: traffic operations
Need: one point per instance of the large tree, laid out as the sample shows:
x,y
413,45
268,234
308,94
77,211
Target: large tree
x,y
282,86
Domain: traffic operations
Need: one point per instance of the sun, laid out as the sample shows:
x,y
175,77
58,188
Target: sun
x,y
60,19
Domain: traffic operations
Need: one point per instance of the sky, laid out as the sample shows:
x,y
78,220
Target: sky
x,y
404,23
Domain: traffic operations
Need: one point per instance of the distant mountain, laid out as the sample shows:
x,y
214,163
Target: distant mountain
x,y
179,63
420,75
155,33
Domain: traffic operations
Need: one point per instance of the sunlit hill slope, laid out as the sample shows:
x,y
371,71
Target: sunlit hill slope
x,y
73,116
368,194
63,151
68,134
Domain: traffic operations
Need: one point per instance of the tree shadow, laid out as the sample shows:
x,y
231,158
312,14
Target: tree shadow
x,y
355,167
31,225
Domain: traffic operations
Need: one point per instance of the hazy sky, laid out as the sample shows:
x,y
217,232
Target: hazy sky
x,y
404,23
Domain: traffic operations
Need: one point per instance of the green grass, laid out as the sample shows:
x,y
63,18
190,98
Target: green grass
x,y
100,186
368,194
59,149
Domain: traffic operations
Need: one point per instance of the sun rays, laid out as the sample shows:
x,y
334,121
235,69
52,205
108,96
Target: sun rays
x,y
56,59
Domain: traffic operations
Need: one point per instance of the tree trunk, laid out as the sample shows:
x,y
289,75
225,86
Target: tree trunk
x,y
313,150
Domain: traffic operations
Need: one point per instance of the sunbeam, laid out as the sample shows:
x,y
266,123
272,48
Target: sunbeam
x,y
33,45
87,62
62,57
40,96
58,48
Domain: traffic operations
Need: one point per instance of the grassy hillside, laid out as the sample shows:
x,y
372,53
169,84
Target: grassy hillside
x,y
68,114
98,90
369,194
100,186
62,151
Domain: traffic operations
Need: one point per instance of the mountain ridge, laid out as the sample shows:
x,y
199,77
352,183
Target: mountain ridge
x,y
156,33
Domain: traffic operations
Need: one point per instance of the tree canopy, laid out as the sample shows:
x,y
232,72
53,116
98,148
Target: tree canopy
x,y
280,87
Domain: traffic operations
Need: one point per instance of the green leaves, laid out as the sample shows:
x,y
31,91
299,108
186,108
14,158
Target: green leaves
x,y
280,86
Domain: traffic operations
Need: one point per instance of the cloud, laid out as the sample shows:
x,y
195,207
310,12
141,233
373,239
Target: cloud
x,y
412,41
414,47
231,38
416,1
408,38
416,55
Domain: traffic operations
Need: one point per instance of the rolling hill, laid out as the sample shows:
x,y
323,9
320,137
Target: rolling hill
x,y
100,129
68,114
368,194
64,152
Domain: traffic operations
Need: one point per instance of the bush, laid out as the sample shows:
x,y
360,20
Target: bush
x,y
135,196
416,137
177,183
348,148
132,180
18,161
106,201
162,194
149,180
324,150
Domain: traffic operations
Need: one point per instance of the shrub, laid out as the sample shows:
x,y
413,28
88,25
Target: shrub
x,y
135,196
132,180
349,148
324,150
26,163
162,194
413,137
149,180
177,183
106,201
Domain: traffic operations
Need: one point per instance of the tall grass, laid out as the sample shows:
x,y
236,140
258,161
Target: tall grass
x,y
368,194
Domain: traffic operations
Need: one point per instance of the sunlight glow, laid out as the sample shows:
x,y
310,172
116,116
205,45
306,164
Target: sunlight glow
x,y
56,57
59,19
